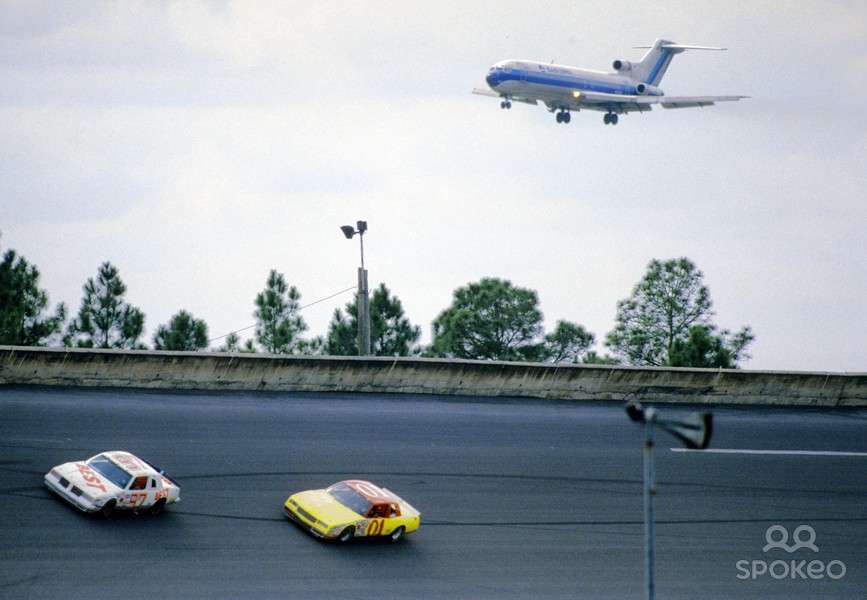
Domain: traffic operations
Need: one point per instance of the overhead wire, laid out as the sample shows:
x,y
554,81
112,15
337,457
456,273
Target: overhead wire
x,y
219,337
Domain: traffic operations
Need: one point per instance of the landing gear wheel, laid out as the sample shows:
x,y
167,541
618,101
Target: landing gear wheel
x,y
610,119
397,534
505,104
563,116
346,535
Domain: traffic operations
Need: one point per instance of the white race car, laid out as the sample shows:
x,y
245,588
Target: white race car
x,y
113,481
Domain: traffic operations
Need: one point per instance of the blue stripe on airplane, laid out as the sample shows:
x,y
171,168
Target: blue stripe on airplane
x,y
566,82
664,59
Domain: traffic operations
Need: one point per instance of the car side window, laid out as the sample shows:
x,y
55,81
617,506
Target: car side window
x,y
393,511
379,511
139,483
153,483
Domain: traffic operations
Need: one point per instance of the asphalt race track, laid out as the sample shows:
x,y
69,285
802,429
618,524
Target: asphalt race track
x,y
519,499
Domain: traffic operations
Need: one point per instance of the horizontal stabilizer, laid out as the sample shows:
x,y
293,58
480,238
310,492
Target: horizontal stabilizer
x,y
683,47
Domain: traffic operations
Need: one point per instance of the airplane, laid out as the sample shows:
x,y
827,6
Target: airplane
x,y
632,87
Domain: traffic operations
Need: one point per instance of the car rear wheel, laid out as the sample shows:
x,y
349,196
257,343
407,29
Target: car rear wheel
x,y
158,507
107,508
397,534
346,535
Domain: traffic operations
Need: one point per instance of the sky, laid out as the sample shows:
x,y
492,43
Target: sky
x,y
198,145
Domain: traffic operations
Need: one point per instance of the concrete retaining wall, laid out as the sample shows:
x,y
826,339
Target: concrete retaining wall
x,y
221,371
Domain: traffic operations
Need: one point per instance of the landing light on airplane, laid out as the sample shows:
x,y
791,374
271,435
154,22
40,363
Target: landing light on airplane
x,y
576,95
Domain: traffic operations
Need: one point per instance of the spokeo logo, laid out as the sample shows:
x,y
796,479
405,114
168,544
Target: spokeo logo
x,y
803,537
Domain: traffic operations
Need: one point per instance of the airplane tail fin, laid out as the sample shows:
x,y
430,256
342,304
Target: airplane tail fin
x,y
653,65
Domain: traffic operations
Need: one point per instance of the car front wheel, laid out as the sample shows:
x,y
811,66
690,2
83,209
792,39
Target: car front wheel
x,y
346,535
108,508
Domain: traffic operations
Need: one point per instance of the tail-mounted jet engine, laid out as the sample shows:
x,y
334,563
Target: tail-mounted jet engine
x,y
624,67
643,89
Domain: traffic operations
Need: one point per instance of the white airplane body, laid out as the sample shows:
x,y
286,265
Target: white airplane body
x,y
633,87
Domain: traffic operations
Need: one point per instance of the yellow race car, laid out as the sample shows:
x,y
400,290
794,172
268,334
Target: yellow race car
x,y
352,508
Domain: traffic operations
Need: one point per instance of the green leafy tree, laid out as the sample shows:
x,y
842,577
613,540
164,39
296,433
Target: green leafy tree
x,y
594,358
184,332
315,346
22,305
232,343
279,325
566,343
489,320
706,348
342,338
665,307
105,320
391,333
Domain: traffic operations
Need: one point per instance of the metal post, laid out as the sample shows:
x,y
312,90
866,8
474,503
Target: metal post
x,y
363,298
362,227
694,431
363,314
359,301
649,492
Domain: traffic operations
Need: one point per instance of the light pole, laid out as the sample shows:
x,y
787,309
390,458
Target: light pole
x,y
694,431
363,297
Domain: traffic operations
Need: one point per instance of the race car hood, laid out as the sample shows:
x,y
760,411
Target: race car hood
x,y
325,508
85,478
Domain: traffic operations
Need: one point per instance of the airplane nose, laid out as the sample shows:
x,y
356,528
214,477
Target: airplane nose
x,y
492,79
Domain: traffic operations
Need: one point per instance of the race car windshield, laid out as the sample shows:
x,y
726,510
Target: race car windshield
x,y
350,498
110,471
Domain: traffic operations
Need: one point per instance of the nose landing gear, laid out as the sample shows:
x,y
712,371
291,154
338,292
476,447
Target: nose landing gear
x,y
610,118
564,116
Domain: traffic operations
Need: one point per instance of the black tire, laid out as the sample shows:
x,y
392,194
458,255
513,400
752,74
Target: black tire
x,y
397,534
158,507
346,535
107,508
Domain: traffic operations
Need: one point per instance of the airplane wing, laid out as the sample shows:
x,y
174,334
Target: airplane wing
x,y
632,102
601,101
692,101
493,94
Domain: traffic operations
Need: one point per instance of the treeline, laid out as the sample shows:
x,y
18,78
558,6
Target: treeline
x,y
667,321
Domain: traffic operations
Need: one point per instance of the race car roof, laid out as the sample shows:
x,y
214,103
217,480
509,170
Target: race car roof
x,y
371,491
130,463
